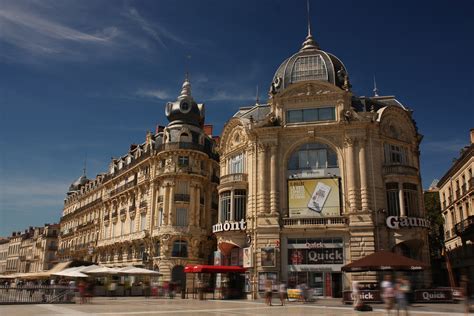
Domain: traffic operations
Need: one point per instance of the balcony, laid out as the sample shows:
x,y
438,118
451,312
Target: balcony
x,y
179,197
120,239
189,146
124,187
338,221
399,169
233,177
465,226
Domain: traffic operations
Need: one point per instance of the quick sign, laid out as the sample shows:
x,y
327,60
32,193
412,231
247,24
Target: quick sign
x,y
371,296
228,226
395,222
315,256
433,295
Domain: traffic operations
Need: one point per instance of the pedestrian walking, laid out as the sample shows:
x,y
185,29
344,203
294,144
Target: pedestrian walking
x,y
355,294
464,284
282,290
401,290
268,291
388,293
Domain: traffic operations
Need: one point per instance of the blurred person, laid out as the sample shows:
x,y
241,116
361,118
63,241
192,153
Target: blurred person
x,y
388,293
464,284
282,291
268,291
82,292
401,290
356,294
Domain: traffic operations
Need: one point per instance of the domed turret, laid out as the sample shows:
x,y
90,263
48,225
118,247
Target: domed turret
x,y
310,63
76,185
185,110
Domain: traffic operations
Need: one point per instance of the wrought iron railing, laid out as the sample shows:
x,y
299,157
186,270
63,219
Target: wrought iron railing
x,y
36,294
317,221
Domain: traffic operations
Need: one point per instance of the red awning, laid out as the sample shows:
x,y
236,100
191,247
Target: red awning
x,y
212,269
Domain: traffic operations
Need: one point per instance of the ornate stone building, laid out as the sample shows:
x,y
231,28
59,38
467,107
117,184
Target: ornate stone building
x,y
456,190
155,205
317,178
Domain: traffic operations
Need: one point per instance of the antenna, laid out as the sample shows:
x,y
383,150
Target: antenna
x,y
309,20
376,91
186,66
257,97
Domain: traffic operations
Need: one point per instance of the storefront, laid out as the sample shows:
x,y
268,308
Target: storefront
x,y
316,263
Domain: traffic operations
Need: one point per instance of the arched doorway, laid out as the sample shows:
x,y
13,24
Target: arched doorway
x,y
178,276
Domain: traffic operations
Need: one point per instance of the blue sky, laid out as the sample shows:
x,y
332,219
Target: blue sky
x,y
89,78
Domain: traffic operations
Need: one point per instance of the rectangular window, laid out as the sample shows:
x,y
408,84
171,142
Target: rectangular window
x,y
395,154
393,201
159,218
182,187
113,229
181,216
410,199
236,164
311,115
132,225
239,204
225,206
143,221
183,161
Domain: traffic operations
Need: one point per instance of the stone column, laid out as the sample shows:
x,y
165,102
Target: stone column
x,y
165,204
350,173
400,199
170,204
364,192
273,181
261,172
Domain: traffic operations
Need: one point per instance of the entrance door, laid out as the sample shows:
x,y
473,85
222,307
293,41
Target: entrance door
x,y
336,284
178,276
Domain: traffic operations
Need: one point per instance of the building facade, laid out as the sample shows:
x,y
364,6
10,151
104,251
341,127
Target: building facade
x,y
456,190
33,250
317,178
155,206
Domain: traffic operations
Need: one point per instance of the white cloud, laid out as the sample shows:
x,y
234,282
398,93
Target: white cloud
x,y
154,93
226,96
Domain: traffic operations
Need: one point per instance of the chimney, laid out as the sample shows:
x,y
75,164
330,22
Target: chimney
x,y
208,129
472,135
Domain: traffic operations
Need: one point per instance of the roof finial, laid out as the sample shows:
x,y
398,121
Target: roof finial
x,y
376,91
257,99
186,90
309,42
85,166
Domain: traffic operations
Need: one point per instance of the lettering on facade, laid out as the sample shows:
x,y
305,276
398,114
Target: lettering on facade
x,y
229,226
315,256
434,295
396,222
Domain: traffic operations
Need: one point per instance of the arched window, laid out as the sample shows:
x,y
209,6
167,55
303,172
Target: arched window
x,y
180,249
313,156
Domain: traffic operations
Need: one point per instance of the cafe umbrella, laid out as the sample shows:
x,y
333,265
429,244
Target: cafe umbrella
x,y
384,261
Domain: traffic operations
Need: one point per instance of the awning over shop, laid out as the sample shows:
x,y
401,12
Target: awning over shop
x,y
212,269
45,274
384,261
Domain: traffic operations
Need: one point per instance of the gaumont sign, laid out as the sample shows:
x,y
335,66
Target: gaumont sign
x,y
434,295
228,226
396,222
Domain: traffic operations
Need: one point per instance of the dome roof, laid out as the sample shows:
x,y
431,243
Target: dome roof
x,y
76,185
185,110
310,63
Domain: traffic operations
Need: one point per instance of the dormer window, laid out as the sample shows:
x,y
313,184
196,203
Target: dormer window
x,y
311,115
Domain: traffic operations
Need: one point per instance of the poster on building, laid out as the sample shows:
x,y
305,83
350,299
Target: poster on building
x,y
217,258
314,197
268,257
247,258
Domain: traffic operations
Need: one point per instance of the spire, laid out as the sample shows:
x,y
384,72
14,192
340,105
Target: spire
x,y
309,43
186,90
376,91
85,166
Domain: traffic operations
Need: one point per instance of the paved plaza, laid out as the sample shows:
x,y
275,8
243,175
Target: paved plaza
x,y
142,306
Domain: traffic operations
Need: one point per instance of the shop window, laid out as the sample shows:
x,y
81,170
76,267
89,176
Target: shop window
x,y
395,154
393,200
240,205
181,216
225,206
180,249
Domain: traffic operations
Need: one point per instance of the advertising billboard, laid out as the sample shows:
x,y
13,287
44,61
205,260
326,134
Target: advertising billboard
x,y
314,197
